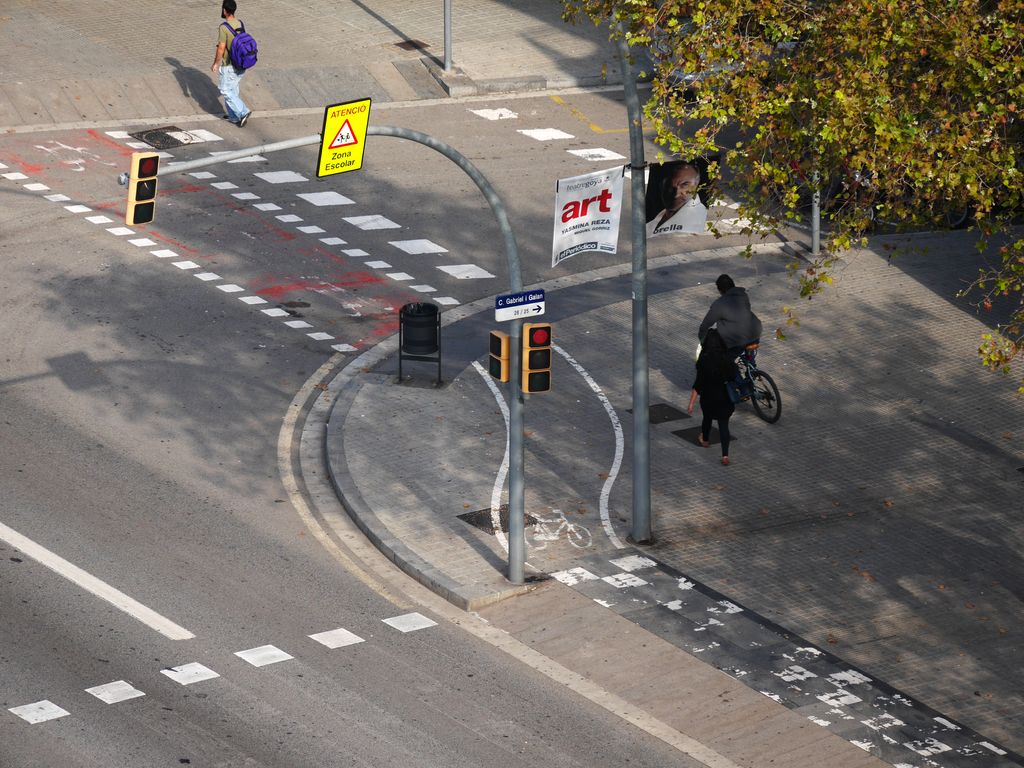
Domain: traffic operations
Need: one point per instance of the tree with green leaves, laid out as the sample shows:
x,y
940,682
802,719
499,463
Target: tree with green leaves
x,y
903,111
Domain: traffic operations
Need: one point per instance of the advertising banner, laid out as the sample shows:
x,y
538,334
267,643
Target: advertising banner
x,y
587,210
673,202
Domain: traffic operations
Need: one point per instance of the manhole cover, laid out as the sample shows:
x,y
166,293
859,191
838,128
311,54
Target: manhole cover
x,y
412,45
171,136
482,519
662,412
690,435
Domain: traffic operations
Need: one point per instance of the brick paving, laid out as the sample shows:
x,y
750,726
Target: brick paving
x,y
875,521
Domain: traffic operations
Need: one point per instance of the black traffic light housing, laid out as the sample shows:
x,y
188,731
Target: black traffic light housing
x,y
500,356
142,184
536,357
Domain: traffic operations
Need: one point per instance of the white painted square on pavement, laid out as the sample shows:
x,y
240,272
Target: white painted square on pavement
x,y
633,563
98,219
264,655
337,638
495,114
320,336
187,674
224,185
623,580
325,198
574,576
400,276
378,265
121,231
139,145
545,134
298,324
245,196
36,187
39,712
410,622
112,693
57,198
14,176
203,175
311,230
332,241
445,300
418,246
186,265
117,134
343,348
2,166
267,207
207,276
163,253
288,218
77,208
423,288
355,252
275,312
466,271
596,154
142,242
372,222
230,288
252,299
280,177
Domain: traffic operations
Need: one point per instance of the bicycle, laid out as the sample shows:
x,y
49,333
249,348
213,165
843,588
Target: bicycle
x,y
757,386
577,535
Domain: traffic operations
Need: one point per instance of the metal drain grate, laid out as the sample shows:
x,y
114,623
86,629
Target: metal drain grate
x,y
482,519
412,45
162,138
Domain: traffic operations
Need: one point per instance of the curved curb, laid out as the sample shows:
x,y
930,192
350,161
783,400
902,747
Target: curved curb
x,y
345,384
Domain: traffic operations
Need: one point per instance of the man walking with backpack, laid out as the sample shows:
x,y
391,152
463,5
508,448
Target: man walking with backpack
x,y
230,34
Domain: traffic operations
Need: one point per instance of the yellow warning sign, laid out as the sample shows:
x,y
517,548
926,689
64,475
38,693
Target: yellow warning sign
x,y
343,137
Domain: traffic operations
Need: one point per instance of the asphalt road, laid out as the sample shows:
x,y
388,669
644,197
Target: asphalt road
x,y
142,391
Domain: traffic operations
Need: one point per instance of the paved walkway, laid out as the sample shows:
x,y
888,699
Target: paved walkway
x,y
859,562
63,64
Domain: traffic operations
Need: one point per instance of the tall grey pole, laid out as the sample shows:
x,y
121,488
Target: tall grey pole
x,y
641,530
447,35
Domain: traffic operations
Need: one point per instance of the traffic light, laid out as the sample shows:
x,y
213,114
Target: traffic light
x,y
536,357
499,360
142,188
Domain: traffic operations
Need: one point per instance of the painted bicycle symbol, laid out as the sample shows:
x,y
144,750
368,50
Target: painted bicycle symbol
x,y
548,529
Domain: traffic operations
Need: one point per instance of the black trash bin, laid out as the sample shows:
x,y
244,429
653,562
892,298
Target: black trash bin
x,y
419,334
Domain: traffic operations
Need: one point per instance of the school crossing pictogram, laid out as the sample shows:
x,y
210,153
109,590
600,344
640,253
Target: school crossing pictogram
x,y
346,137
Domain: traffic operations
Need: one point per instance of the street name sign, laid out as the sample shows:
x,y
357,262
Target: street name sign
x,y
343,137
512,306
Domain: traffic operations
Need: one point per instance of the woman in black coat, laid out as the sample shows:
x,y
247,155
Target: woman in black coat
x,y
714,367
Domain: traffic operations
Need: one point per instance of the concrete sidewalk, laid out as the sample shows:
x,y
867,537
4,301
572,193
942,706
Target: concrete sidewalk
x,y
68,63
859,563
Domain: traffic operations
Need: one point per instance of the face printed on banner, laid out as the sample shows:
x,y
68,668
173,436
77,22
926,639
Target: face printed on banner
x,y
680,187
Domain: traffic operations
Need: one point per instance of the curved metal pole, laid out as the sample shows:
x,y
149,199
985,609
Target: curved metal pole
x,y
516,483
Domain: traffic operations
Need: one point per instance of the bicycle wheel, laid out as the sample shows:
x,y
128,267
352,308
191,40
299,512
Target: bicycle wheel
x,y
766,399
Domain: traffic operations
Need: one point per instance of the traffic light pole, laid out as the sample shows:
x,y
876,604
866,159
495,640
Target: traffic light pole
x,y
516,478
641,529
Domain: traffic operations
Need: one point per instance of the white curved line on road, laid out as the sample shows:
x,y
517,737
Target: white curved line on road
x,y
499,480
613,473
90,583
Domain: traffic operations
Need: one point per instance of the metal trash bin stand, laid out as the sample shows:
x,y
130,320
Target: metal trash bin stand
x,y
419,335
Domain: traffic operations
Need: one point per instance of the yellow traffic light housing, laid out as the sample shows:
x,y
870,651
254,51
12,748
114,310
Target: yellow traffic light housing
x,y
536,357
499,361
142,185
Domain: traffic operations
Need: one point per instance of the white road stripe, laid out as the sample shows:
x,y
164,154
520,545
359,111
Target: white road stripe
x,y
90,583
499,479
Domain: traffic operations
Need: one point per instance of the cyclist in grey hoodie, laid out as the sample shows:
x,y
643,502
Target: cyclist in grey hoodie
x,y
731,314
